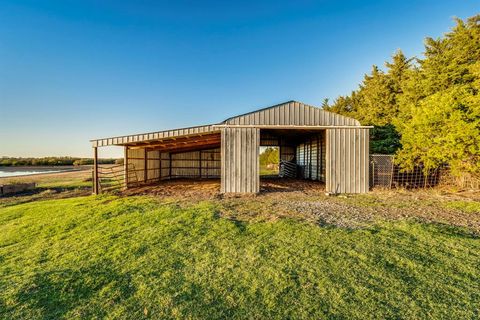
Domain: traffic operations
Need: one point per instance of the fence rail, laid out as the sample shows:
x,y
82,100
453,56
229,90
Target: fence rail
x,y
112,178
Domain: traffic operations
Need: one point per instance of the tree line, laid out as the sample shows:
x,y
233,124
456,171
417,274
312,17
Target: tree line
x,y
52,161
425,110
269,156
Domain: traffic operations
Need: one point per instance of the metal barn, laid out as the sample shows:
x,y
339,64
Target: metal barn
x,y
313,144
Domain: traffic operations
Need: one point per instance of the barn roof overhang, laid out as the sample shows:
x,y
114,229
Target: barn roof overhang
x,y
180,143
155,137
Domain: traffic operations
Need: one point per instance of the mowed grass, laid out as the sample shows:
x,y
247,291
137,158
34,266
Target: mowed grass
x,y
136,257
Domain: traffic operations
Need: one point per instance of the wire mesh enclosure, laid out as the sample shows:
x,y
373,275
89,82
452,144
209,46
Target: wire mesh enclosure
x,y
384,173
381,170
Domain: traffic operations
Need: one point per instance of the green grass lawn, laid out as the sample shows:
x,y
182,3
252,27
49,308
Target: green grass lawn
x,y
137,257
264,171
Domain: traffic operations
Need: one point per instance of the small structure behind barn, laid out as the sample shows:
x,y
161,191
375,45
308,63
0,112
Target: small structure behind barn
x,y
313,144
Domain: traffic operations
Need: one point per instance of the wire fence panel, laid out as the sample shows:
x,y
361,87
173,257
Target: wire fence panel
x,y
384,173
381,170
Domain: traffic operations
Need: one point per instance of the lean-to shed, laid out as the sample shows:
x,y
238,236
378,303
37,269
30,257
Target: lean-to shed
x,y
313,143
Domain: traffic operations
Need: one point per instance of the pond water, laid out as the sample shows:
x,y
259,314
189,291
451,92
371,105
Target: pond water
x,y
23,171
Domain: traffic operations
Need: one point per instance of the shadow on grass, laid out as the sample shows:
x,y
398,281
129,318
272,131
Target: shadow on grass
x,y
451,230
54,294
44,193
39,190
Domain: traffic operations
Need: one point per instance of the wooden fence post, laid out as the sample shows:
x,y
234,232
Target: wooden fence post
x,y
125,164
95,170
145,166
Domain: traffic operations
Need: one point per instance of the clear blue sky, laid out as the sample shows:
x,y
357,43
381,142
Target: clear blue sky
x,y
75,70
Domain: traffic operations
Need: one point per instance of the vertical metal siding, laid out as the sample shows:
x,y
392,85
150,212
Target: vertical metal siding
x,y
239,161
196,164
136,161
164,165
153,165
347,152
310,156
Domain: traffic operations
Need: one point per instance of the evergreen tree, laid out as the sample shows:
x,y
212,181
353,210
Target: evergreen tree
x,y
428,110
376,103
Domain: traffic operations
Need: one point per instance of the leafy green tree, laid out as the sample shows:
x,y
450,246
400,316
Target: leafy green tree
x,y
444,129
269,156
441,124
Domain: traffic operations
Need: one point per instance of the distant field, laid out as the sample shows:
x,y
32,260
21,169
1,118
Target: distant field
x,y
12,172
51,186
183,252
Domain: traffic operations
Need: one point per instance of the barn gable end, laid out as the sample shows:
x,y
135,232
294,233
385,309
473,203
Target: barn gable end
x,y
292,113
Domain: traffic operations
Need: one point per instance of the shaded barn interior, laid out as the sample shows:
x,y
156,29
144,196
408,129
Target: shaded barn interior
x,y
313,144
186,159
304,148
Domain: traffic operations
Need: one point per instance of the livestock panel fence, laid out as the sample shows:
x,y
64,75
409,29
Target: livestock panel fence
x,y
384,173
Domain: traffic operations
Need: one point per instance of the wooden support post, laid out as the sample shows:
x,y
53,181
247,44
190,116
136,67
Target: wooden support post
x,y
125,165
95,171
160,166
145,165
304,160
318,157
310,159
200,163
170,165
322,143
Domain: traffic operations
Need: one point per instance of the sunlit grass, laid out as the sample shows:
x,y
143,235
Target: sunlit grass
x,y
136,257
466,206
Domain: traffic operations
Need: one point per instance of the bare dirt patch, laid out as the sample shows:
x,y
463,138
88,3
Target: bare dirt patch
x,y
306,200
182,189
297,199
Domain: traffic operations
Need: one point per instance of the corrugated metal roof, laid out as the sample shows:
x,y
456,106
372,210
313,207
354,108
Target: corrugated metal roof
x,y
289,114
154,136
